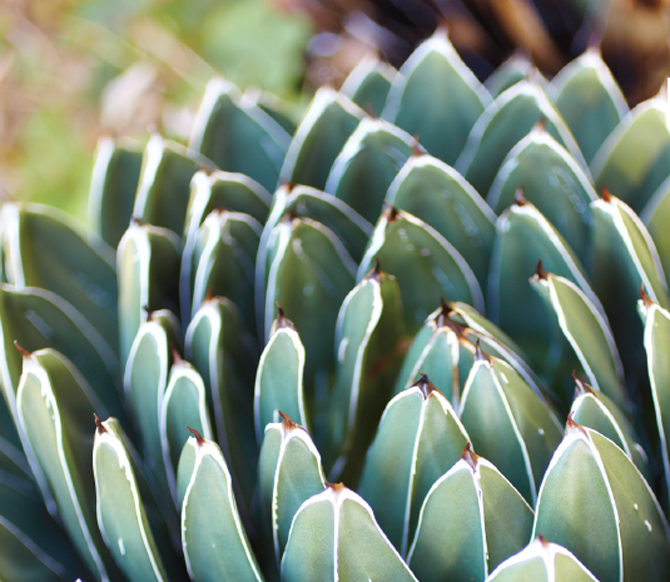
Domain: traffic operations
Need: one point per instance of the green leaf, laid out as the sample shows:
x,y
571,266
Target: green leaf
x,y
552,181
209,192
116,173
147,263
418,440
587,331
655,217
368,84
239,136
514,70
55,407
595,503
279,110
369,329
504,123
311,274
436,95
45,248
120,508
471,520
367,164
279,378
589,99
213,539
289,473
437,194
625,259
226,357
425,264
633,161
508,423
334,536
542,561
224,261
327,124
597,411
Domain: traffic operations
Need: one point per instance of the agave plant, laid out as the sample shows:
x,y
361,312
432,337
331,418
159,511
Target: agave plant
x,y
424,356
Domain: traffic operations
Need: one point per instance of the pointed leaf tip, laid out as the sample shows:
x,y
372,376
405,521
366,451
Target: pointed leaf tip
x,y
540,273
425,385
392,213
98,424
541,124
25,353
197,435
571,425
606,196
469,456
581,387
648,301
544,541
519,198
417,150
176,356
336,487
287,422
480,355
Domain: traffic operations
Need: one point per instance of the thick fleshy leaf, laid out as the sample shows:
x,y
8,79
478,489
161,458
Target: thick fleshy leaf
x,y
367,165
55,407
145,381
121,512
44,248
209,192
508,423
552,181
625,259
589,99
334,536
213,539
184,405
279,378
147,264
587,331
437,194
116,173
425,264
504,123
656,217
523,237
289,473
594,502
418,440
226,357
237,135
327,124
164,186
368,84
542,561
310,275
656,344
514,70
282,112
634,160
471,520
369,329
224,260
436,95
597,411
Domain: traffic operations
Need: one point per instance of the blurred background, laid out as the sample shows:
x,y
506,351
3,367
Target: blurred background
x,y
72,70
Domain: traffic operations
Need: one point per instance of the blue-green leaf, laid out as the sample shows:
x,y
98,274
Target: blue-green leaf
x,y
368,84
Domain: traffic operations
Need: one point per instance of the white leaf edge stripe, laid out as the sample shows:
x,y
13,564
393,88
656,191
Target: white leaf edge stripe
x,y
651,313
416,163
540,137
323,99
103,156
201,190
591,60
545,551
358,142
379,238
258,384
214,230
614,208
299,433
438,43
208,448
501,394
550,282
179,371
337,499
368,65
450,413
522,88
579,433
30,365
